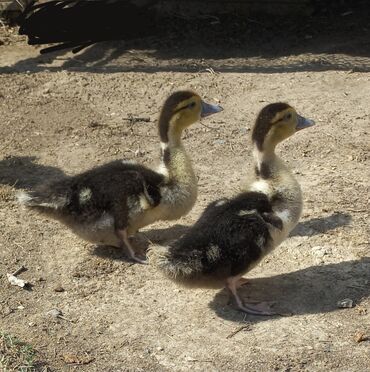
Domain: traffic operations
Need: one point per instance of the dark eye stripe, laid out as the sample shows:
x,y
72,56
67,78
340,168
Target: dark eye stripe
x,y
277,121
180,109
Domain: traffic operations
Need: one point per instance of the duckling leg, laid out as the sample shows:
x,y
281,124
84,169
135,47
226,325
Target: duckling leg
x,y
241,282
125,242
259,309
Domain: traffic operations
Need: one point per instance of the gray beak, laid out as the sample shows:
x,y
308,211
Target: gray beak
x,y
209,109
304,123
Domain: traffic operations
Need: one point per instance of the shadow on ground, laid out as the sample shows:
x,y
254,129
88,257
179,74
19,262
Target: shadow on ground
x,y
228,44
24,172
142,241
145,239
321,225
313,290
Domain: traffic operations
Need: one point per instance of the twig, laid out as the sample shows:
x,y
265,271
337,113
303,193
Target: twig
x,y
357,210
134,120
232,334
207,126
62,317
232,148
20,270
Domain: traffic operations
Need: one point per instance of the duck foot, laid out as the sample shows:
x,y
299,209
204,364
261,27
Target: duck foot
x,y
232,284
125,243
262,308
241,282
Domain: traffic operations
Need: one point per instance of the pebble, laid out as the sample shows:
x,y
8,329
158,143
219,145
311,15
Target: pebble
x,y
59,288
345,303
321,251
55,313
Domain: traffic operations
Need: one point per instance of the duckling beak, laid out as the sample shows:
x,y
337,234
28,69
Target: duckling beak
x,y
304,123
209,109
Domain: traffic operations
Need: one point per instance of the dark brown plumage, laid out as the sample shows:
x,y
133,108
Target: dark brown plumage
x,y
227,238
169,109
107,204
233,235
265,121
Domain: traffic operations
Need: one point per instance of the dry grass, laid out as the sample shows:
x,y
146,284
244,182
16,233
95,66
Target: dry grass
x,y
15,355
6,193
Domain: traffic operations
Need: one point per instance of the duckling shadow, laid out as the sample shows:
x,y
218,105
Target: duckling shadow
x,y
313,290
165,235
23,172
142,241
320,225
109,252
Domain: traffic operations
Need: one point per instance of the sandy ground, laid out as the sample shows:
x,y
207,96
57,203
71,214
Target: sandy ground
x,y
64,114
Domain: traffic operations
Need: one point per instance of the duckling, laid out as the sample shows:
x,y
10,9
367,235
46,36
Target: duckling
x,y
233,235
110,203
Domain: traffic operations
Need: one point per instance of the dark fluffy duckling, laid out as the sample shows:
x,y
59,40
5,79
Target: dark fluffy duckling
x,y
233,235
107,204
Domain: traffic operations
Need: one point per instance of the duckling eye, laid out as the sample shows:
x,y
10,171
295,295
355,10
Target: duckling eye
x,y
191,105
288,116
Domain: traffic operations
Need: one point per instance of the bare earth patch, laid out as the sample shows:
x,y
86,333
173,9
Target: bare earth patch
x,y
64,114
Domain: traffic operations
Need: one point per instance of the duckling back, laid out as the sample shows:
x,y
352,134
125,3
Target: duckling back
x,y
96,203
209,253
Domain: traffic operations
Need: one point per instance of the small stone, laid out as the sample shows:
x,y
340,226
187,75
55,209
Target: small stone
x,y
321,251
345,303
160,348
93,124
360,337
219,142
55,313
20,307
59,288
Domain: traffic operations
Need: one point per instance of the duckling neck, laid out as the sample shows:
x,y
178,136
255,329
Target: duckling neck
x,y
263,159
175,162
179,191
275,179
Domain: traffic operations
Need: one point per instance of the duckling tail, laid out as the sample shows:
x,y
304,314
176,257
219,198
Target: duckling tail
x,y
177,267
42,200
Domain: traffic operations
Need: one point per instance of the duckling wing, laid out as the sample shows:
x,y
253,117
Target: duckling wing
x,y
229,237
111,188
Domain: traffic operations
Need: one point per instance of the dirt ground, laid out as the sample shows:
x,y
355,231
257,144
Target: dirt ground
x,y
65,113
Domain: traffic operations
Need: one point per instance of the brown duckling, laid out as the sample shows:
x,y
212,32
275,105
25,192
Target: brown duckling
x,y
108,204
233,235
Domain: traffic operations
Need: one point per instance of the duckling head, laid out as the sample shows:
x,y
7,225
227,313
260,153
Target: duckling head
x,y
180,110
275,123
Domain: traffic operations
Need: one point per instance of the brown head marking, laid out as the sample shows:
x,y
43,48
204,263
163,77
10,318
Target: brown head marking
x,y
168,110
264,122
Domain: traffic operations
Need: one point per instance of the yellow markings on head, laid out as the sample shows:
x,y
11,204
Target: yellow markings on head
x,y
283,126
185,113
284,115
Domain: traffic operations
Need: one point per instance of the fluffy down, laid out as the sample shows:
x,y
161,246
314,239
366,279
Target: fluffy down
x,y
229,238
